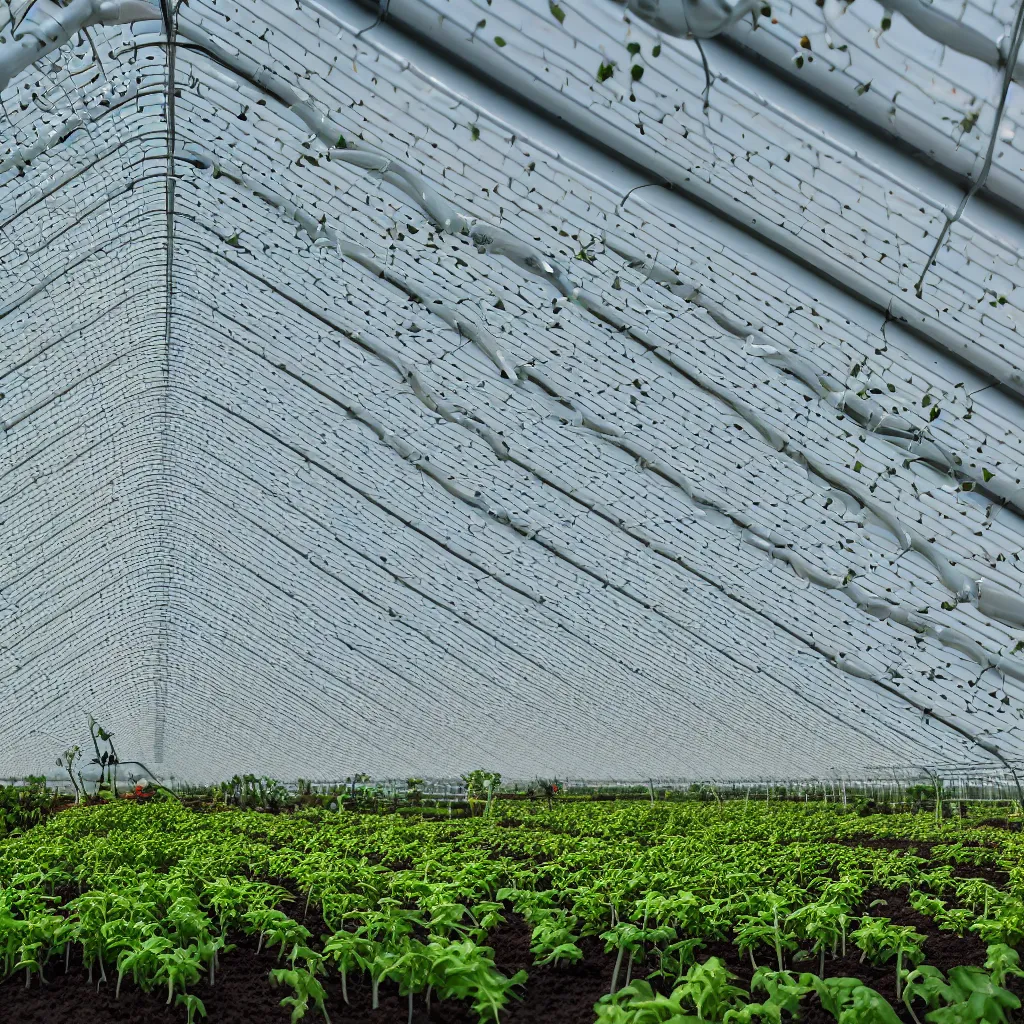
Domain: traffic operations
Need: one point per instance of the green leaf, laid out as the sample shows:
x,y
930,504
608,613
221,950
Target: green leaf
x,y
556,11
604,72
987,474
634,49
498,41
934,414
637,72
656,52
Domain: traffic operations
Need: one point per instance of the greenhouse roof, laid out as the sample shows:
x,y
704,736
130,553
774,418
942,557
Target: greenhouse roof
x,y
449,385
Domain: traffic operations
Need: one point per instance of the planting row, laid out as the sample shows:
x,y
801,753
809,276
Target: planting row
x,y
718,913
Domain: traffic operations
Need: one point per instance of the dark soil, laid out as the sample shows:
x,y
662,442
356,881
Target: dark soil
x,y
993,875
1003,823
242,993
919,848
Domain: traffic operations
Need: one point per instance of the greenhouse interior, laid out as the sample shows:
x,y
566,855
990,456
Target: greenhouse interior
x,y
512,511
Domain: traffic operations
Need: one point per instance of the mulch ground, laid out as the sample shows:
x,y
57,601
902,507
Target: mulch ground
x,y
560,994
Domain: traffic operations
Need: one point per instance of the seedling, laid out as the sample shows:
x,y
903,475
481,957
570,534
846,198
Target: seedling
x,y
305,987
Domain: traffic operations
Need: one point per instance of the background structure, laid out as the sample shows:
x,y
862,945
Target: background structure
x,y
361,411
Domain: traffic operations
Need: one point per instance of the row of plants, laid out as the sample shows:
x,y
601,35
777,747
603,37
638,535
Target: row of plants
x,y
970,995
22,807
154,895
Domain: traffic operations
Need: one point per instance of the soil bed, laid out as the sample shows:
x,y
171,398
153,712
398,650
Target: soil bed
x,y
560,994
243,993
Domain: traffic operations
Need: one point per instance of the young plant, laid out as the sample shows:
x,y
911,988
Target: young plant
x,y
180,968
706,989
350,952
480,785
304,986
765,928
464,970
784,989
850,1001
624,937
67,762
880,941
1003,962
553,941
927,985
193,1005
975,998
144,962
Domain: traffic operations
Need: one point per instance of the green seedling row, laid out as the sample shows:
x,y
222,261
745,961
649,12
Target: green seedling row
x,y
154,896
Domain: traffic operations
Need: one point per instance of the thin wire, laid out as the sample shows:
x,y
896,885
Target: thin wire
x,y
979,183
382,13
707,75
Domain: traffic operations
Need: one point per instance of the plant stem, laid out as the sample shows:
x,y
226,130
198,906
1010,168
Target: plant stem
x,y
618,964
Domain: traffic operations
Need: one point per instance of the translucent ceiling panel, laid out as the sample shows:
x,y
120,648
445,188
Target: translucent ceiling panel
x,y
83,246
443,451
